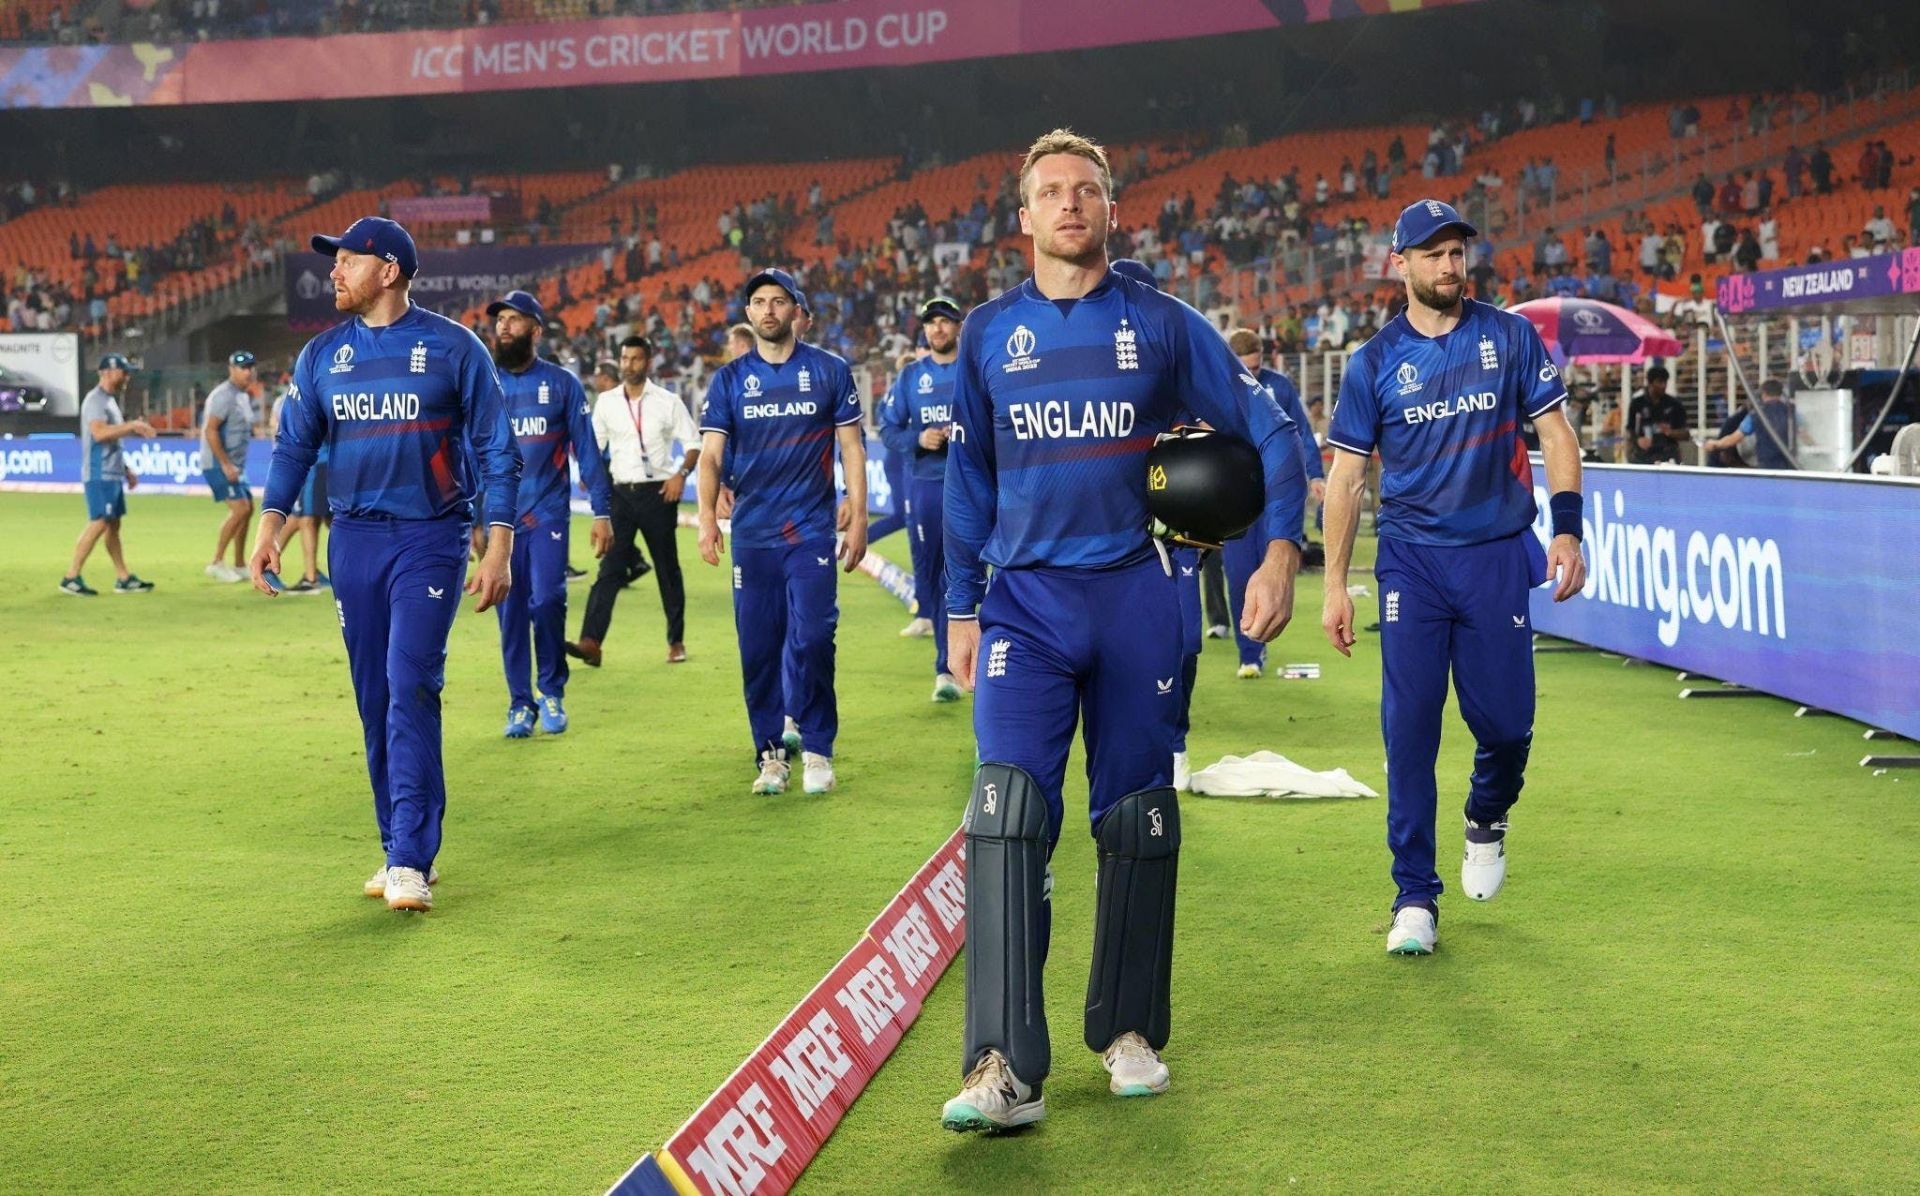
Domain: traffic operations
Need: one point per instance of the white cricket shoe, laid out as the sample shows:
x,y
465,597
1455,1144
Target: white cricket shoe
x,y
221,571
993,1098
1218,631
1248,672
1134,1068
376,885
773,773
407,890
791,737
917,629
1182,772
1414,931
817,772
945,688
1484,868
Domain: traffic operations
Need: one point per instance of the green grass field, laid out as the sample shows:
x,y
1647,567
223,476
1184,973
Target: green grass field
x,y
1699,977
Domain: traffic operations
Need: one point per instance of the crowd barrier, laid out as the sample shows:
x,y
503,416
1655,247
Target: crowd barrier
x,y
1795,584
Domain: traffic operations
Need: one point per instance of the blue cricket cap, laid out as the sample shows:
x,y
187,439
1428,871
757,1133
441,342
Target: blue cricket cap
x,y
940,305
1135,269
375,235
779,278
522,302
1425,219
241,357
114,361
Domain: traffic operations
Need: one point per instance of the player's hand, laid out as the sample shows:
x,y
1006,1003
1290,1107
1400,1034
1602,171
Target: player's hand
x,y
479,539
674,487
266,554
711,541
133,483
963,650
1269,602
601,537
843,517
493,576
1336,619
1317,489
144,429
723,506
933,439
1565,562
232,471
853,545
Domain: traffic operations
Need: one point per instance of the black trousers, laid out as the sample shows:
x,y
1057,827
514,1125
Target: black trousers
x,y
639,509
1213,587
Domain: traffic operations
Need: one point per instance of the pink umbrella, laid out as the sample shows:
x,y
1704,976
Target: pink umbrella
x,y
1587,331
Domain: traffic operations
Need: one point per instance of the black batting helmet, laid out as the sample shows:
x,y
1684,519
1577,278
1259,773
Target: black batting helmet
x,y
1204,487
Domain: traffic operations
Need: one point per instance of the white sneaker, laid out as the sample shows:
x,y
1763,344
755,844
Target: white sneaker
x,y
376,885
1134,1067
1218,631
1413,932
773,773
817,773
945,688
1182,773
993,1098
791,738
221,571
407,889
1248,672
918,629
1484,869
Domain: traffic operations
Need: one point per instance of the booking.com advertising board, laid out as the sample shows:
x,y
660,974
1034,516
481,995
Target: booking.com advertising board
x,y
1796,584
172,466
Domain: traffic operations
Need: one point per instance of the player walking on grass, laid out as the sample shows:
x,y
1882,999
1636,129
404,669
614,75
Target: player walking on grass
x,y
1441,393
106,479
914,423
225,432
774,414
410,406
547,410
1063,384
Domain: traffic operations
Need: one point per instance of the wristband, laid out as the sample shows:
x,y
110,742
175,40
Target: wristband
x,y
1565,508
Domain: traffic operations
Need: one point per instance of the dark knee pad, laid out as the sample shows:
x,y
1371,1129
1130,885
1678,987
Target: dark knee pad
x,y
1139,843
1008,921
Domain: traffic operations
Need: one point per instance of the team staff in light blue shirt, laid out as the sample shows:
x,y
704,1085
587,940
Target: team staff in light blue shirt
x,y
410,407
225,431
1441,393
105,477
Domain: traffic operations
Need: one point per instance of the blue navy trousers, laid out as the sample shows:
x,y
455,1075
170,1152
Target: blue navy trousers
x,y
1057,645
785,610
396,585
926,523
538,600
1186,576
1459,610
1242,558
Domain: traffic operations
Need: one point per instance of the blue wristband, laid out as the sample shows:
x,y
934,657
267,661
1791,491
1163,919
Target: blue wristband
x,y
1565,507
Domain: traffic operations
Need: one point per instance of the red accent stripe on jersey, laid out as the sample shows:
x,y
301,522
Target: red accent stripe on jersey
x,y
359,431
1057,453
443,473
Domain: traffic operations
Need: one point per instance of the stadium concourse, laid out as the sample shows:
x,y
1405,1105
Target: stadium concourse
x,y
628,971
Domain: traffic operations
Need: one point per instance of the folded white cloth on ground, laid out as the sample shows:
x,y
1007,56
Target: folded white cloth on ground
x,y
1269,774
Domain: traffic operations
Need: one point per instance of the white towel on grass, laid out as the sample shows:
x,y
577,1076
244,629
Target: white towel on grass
x,y
1269,774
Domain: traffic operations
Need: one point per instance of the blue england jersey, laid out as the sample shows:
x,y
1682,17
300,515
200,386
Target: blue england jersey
x,y
407,410
1445,413
1055,406
1286,396
920,398
547,409
779,422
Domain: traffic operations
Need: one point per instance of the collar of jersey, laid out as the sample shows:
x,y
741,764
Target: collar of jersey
x,y
798,347
1467,304
414,310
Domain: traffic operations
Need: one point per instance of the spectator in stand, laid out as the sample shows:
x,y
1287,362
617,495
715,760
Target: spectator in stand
x,y
1696,308
1709,240
1724,239
1750,194
1652,244
1728,201
1851,248
1656,423
1879,230
1820,166
1599,251
1746,254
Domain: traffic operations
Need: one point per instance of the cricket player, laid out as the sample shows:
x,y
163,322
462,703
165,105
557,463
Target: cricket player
x,y
413,413
1242,556
226,428
106,479
309,515
774,415
914,422
1062,385
1441,393
547,410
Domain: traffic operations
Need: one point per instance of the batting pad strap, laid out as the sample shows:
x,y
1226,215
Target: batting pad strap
x,y
1009,920
1139,844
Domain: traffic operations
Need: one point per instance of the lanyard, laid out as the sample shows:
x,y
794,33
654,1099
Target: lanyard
x,y
635,408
